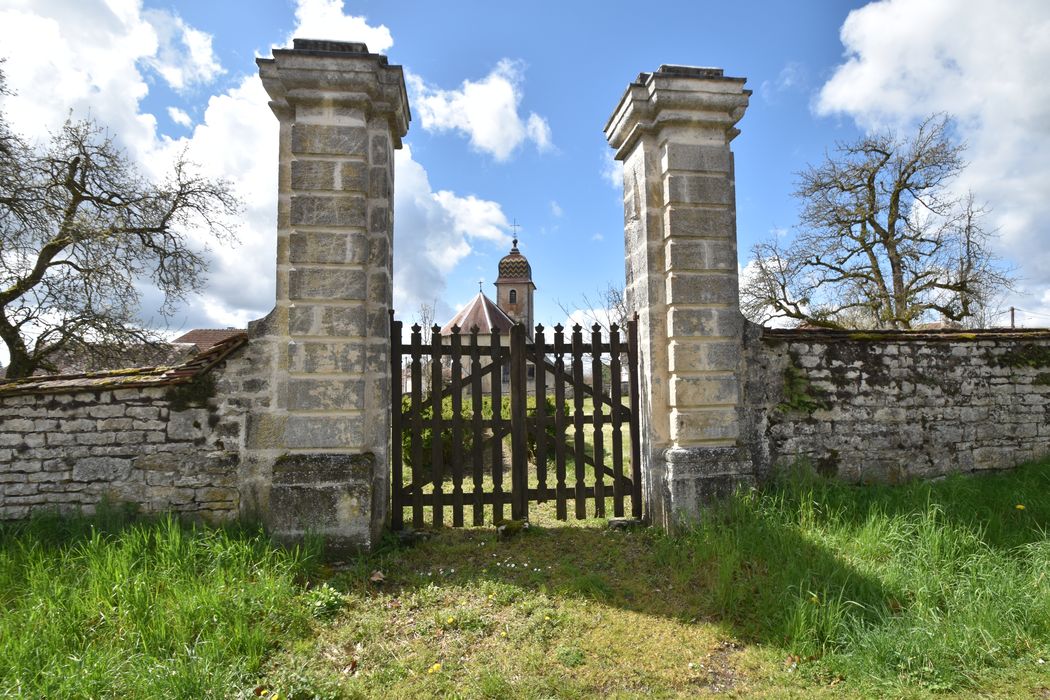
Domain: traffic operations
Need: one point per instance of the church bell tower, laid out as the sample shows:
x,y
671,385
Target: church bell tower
x,y
514,288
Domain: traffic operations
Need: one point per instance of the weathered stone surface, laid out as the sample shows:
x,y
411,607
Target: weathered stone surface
x,y
313,175
693,254
693,323
342,211
696,158
710,288
326,283
354,177
320,139
699,189
322,393
705,390
700,223
871,409
326,357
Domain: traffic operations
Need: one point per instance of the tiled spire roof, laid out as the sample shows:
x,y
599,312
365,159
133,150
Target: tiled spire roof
x,y
481,312
514,266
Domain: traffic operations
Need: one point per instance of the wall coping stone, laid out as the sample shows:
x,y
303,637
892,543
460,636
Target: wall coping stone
x,y
131,378
834,335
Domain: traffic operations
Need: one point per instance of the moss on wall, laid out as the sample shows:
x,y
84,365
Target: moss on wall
x,y
798,394
193,394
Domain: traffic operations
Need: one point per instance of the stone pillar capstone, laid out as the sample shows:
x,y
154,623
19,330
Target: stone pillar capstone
x,y
325,431
672,130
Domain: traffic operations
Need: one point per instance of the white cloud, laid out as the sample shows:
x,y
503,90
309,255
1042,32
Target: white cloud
x,y
791,76
324,19
183,55
179,117
486,111
556,210
597,237
435,231
92,58
612,170
985,64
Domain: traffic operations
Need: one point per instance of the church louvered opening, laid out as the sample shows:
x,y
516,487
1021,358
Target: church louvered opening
x,y
558,426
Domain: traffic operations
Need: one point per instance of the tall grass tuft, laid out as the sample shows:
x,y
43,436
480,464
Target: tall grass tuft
x,y
114,606
925,585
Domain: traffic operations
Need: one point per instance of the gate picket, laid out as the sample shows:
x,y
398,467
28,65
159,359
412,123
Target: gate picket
x,y
446,457
417,428
397,474
561,510
496,352
479,444
617,420
599,436
457,429
577,421
437,452
540,414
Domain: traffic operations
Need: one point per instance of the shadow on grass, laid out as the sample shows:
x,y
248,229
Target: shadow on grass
x,y
758,580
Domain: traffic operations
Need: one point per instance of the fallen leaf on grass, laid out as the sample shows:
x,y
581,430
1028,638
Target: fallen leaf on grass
x,y
377,577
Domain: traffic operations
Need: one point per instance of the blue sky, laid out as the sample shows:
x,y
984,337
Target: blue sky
x,y
509,101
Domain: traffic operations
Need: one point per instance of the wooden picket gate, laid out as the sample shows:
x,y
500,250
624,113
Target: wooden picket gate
x,y
465,467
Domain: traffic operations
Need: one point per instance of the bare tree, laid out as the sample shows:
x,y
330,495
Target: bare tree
x,y
882,241
608,306
80,227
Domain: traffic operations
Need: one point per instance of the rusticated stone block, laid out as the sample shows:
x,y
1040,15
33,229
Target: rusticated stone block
x,y
341,211
326,358
696,158
705,390
327,247
315,394
724,322
693,254
700,223
326,283
328,140
313,175
699,189
321,431
709,288
704,425
354,177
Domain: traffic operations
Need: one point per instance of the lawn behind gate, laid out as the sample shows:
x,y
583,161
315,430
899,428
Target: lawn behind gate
x,y
808,588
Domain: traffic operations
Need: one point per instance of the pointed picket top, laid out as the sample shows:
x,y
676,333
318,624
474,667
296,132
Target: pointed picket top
x,y
435,330
416,328
577,328
455,330
614,328
474,329
559,328
597,328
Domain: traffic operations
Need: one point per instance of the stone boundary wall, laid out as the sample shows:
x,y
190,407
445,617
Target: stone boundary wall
x,y
72,450
890,406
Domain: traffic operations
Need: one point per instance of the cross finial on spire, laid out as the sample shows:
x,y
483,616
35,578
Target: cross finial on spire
x,y
481,281
514,226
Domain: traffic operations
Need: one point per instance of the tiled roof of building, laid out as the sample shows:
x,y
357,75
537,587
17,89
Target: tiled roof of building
x,y
126,378
204,338
481,312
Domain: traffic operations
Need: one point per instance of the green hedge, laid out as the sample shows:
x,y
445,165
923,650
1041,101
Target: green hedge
x,y
467,434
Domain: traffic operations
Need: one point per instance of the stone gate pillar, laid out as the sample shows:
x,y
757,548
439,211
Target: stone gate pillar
x,y
325,430
672,130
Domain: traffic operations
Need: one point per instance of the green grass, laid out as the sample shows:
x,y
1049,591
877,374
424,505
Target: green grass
x,y
115,607
807,588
